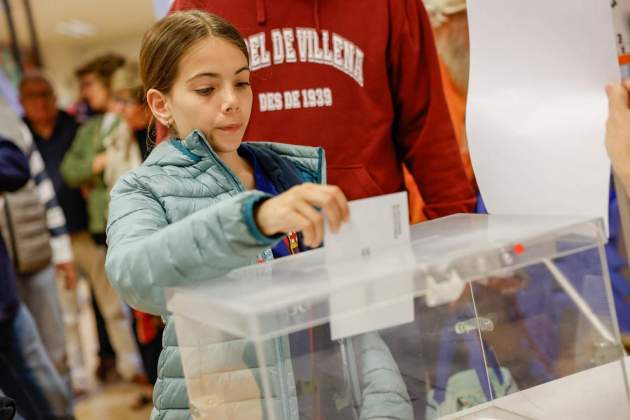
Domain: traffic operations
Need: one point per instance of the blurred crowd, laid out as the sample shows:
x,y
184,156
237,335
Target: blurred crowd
x,y
54,232
53,220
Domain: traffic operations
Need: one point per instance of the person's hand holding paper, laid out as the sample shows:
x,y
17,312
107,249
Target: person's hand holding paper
x,y
618,130
374,244
297,210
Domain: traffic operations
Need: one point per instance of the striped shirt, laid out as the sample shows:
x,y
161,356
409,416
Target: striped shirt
x,y
55,219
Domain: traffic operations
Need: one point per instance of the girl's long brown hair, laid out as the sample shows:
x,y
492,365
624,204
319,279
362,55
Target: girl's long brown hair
x,y
166,42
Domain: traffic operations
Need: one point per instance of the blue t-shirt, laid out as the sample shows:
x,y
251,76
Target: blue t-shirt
x,y
264,184
301,343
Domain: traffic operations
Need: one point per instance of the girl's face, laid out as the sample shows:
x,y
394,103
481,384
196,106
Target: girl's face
x,y
94,92
212,93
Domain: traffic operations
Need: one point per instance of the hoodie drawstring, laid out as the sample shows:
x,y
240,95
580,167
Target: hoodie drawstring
x,y
261,13
316,15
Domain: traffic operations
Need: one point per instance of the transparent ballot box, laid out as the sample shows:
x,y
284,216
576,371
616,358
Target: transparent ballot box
x,y
478,317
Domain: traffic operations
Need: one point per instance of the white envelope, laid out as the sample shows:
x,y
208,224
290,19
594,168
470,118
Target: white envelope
x,y
374,244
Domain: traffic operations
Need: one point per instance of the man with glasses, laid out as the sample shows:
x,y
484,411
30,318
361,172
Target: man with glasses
x,y
53,131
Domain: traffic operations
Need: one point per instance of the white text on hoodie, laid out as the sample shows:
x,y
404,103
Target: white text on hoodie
x,y
305,45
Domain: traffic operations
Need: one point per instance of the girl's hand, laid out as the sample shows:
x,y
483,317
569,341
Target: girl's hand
x,y
296,210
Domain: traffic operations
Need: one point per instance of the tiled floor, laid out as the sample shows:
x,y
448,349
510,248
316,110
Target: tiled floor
x,y
112,402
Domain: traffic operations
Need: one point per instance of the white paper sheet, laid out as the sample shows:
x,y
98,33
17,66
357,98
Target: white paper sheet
x,y
537,106
386,302
375,223
375,243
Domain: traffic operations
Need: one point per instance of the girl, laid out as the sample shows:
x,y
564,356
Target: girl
x,y
204,203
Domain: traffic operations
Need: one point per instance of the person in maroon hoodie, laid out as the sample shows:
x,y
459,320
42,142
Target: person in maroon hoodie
x,y
361,80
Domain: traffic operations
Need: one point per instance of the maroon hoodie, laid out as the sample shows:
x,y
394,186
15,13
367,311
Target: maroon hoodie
x,y
358,78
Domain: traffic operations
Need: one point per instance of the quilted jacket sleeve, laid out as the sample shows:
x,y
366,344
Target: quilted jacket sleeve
x,y
383,391
146,253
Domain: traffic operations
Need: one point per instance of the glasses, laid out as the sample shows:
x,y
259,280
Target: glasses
x,y
85,83
125,100
45,94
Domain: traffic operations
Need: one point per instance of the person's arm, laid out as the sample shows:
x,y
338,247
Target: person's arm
x,y
383,391
62,256
146,253
14,170
55,219
422,126
76,167
618,131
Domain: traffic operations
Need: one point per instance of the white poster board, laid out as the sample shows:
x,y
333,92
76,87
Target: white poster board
x,y
537,105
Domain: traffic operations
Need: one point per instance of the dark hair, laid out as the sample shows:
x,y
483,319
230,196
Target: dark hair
x,y
166,42
103,67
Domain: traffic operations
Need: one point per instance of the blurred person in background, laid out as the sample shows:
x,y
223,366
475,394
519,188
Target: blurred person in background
x,y
106,370
129,94
133,138
83,167
27,373
121,146
53,131
35,231
449,19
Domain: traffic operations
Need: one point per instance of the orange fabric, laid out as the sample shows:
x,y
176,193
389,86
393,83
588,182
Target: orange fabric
x,y
456,103
416,215
147,326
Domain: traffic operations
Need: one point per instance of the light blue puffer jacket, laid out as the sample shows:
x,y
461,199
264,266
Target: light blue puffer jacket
x,y
183,217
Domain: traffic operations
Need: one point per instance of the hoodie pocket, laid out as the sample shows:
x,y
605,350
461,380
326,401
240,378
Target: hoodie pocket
x,y
355,181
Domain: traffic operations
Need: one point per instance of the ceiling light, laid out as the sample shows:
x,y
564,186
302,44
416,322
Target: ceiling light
x,y
76,28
